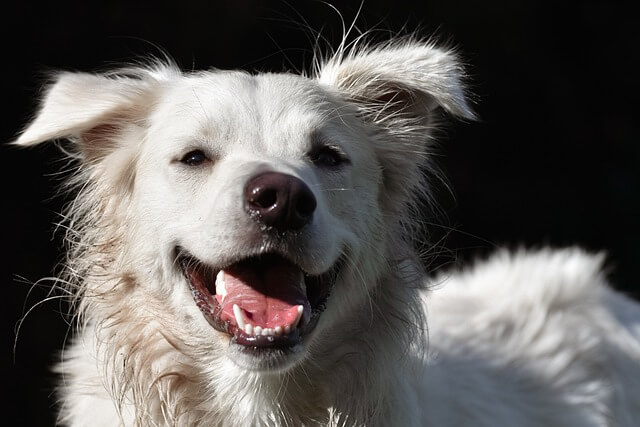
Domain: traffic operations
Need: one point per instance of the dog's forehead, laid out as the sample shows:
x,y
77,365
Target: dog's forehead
x,y
237,109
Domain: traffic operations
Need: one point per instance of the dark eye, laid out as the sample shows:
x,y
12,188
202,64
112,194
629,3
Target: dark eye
x,y
328,157
194,158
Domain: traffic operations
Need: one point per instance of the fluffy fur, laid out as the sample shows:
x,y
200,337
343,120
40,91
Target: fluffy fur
x,y
531,338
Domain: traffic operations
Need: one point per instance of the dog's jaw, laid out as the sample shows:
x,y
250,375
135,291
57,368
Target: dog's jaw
x,y
266,306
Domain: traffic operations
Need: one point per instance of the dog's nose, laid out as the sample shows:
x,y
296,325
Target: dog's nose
x,y
279,200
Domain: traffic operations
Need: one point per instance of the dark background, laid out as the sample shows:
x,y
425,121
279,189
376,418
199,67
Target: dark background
x,y
555,159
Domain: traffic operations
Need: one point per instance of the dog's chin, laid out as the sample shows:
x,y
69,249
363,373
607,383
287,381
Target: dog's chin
x,y
265,305
268,361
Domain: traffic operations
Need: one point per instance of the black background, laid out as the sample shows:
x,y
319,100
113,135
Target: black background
x,y
554,161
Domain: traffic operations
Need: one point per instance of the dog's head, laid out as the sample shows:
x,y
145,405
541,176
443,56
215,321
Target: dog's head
x,y
252,210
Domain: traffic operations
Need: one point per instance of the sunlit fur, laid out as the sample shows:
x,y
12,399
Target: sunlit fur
x,y
533,338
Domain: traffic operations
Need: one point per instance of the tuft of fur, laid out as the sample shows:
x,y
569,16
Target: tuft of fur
x,y
531,338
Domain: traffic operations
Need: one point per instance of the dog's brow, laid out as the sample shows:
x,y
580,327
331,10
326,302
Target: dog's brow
x,y
319,138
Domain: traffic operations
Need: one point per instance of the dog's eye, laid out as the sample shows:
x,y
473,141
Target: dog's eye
x,y
328,157
194,158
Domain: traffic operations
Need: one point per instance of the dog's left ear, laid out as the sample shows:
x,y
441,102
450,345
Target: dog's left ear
x,y
400,77
398,87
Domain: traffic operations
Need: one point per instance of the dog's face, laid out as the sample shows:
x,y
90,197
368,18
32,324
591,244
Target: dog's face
x,y
255,211
256,190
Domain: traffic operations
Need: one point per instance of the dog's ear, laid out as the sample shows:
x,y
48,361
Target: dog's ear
x,y
399,87
405,77
91,110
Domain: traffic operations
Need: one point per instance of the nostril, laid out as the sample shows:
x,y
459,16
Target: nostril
x,y
264,198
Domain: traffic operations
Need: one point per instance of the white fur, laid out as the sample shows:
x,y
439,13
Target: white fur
x,y
531,338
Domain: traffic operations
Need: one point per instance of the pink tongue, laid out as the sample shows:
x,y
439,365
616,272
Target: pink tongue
x,y
268,295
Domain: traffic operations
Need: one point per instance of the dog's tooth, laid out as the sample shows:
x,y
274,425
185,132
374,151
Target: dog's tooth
x,y
267,331
287,329
221,288
237,312
298,317
257,330
248,329
278,330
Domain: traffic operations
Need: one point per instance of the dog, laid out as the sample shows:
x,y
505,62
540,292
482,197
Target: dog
x,y
242,251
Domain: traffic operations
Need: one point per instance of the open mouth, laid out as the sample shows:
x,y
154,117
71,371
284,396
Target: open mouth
x,y
261,302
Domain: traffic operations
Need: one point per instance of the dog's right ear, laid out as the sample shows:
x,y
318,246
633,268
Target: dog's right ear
x,y
91,110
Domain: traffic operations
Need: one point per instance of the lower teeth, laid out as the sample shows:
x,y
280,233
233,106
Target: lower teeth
x,y
249,329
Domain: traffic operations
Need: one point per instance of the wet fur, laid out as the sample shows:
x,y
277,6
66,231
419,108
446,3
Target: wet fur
x,y
532,338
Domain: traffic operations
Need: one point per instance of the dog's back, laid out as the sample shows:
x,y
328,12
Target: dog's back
x,y
533,338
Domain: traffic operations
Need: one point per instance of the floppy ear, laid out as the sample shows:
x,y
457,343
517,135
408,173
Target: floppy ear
x,y
408,75
91,110
398,87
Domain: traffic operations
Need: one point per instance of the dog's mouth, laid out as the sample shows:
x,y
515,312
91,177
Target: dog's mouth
x,y
261,302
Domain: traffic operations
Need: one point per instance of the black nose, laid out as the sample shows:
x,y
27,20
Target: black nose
x,y
279,200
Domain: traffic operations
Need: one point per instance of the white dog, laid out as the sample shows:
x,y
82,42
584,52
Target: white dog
x,y
241,253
